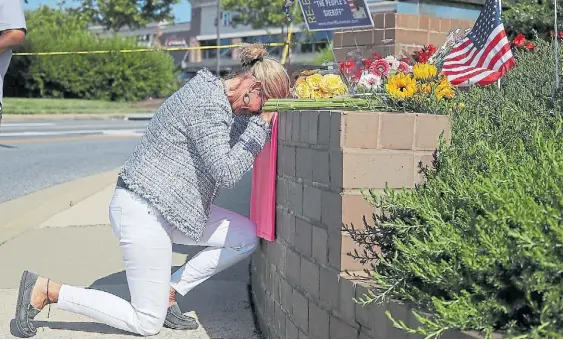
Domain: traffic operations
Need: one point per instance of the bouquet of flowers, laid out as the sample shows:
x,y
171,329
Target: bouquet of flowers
x,y
390,82
423,82
377,69
318,86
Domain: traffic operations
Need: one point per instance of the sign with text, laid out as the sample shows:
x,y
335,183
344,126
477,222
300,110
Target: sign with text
x,y
326,15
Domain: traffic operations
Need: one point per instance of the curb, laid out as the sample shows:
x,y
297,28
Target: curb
x,y
25,213
80,116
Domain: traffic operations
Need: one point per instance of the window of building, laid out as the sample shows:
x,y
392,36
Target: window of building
x,y
226,18
212,53
312,42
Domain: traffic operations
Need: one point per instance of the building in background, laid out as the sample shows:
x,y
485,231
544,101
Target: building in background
x,y
401,27
204,14
201,31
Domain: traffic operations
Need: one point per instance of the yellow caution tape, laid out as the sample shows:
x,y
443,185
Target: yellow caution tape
x,y
141,50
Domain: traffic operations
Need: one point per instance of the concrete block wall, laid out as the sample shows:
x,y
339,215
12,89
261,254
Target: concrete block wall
x,y
397,34
299,285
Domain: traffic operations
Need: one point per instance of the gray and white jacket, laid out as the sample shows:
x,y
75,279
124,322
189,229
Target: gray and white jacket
x,y
192,146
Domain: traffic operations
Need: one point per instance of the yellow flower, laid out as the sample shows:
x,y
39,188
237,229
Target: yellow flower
x,y
331,83
314,81
401,86
424,71
316,95
425,88
444,90
303,90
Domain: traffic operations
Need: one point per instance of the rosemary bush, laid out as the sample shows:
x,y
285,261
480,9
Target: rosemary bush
x,y
479,245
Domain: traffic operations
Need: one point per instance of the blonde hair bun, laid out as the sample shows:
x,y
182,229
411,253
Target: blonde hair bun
x,y
251,53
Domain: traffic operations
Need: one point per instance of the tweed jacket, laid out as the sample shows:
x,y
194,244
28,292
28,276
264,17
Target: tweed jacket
x,y
192,146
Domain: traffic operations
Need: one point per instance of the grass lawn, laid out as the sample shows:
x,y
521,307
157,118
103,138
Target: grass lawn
x,y
66,106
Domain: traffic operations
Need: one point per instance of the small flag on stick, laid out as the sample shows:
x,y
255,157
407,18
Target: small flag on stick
x,y
484,55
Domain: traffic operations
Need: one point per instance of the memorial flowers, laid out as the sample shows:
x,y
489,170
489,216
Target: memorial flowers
x,y
424,54
424,71
317,86
391,83
401,86
424,81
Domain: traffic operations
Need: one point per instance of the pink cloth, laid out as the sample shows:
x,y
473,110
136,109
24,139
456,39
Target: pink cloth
x,y
263,194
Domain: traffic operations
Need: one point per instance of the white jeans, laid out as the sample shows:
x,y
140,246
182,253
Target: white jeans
x,y
146,241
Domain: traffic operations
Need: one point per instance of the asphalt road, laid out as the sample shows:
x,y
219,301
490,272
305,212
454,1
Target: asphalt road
x,y
35,155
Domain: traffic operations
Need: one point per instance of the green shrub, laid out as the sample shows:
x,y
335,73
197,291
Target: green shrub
x,y
109,76
324,56
530,85
531,17
479,245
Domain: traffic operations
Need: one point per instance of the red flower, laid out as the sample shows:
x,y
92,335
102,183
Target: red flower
x,y
530,47
379,68
422,58
375,55
367,63
406,60
346,65
424,54
561,35
520,40
403,67
358,74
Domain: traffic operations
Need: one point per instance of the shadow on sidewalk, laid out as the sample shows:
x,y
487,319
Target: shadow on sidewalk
x,y
220,303
85,326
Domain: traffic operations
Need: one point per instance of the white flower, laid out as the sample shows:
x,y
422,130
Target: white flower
x,y
370,81
393,62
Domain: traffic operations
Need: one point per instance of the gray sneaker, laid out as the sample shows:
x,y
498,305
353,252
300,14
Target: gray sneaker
x,y
25,312
175,319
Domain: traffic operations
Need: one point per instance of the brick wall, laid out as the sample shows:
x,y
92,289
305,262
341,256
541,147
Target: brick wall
x,y
298,285
395,34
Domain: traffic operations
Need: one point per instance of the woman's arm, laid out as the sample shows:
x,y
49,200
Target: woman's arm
x,y
227,164
239,126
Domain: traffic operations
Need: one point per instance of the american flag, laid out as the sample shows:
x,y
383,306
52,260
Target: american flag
x,y
484,55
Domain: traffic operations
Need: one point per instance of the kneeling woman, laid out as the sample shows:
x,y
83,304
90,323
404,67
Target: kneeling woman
x,y
205,136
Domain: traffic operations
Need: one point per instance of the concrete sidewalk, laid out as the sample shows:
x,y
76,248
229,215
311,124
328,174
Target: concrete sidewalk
x,y
76,246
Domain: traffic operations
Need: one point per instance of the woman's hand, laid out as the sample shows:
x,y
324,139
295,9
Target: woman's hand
x,y
268,116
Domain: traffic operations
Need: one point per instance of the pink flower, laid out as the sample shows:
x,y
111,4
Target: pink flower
x,y
404,67
370,81
379,68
